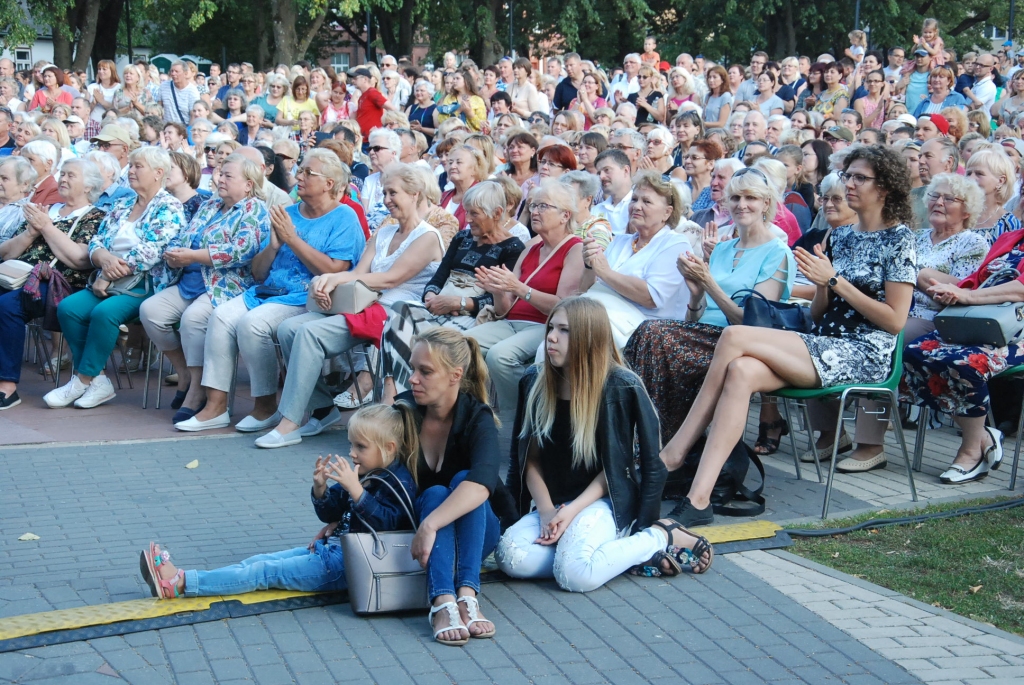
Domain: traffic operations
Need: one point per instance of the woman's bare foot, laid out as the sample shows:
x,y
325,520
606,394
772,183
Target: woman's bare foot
x,y
482,626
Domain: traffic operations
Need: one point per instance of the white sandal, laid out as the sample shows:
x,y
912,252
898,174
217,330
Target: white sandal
x,y
454,623
348,400
473,608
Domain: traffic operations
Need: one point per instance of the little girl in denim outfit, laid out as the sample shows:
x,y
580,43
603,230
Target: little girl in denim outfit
x,y
381,437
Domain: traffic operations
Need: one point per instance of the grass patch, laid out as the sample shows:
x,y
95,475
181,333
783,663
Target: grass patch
x,y
971,565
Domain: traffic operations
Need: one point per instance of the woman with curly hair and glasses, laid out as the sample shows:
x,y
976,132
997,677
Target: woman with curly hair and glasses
x,y
864,277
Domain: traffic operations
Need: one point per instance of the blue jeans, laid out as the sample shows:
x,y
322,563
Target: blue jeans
x,y
293,569
461,546
12,333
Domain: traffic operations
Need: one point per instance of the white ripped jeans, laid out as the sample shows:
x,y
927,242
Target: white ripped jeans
x,y
588,555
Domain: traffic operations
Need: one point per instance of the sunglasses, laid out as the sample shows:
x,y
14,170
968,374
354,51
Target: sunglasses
x,y
377,148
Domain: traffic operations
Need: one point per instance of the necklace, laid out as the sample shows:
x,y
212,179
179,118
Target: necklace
x,y
636,244
986,219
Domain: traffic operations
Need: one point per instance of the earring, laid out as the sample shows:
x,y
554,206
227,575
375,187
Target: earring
x,y
764,217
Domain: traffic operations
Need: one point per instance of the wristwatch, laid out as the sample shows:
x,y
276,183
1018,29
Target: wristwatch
x,y
528,295
832,282
462,305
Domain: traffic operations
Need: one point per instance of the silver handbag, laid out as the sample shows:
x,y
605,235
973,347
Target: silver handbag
x,y
997,325
382,575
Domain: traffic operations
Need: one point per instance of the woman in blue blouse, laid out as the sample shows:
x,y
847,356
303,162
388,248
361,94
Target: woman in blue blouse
x,y
212,259
128,251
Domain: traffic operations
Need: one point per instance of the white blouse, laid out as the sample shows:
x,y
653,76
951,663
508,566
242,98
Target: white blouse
x,y
655,263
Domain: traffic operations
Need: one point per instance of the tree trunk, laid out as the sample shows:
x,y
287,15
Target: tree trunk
x,y
310,34
62,48
262,46
105,42
285,15
490,49
88,26
405,30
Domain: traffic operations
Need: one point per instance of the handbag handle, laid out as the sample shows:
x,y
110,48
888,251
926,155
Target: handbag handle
x,y
380,549
753,293
1009,273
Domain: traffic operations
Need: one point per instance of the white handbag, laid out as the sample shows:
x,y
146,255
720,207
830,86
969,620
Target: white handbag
x,y
381,573
348,298
14,273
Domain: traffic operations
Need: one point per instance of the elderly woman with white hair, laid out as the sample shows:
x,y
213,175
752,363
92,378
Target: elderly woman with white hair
x,y
59,236
128,252
422,112
548,271
385,149
17,178
453,297
398,262
587,224
658,156
110,168
994,172
44,155
315,237
212,261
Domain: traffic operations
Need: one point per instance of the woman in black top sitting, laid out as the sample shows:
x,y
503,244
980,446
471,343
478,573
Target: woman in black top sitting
x,y
572,454
457,472
453,297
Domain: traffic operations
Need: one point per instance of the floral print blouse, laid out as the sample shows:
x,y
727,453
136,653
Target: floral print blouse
x,y
39,251
233,237
161,221
958,255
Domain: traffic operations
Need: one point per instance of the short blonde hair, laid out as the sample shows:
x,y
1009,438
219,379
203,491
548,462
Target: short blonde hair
x,y
559,196
996,162
250,172
154,157
479,161
755,182
408,179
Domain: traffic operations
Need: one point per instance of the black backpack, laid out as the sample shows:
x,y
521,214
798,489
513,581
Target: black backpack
x,y
729,486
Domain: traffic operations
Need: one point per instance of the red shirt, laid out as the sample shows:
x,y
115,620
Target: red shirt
x,y
358,209
545,281
371,109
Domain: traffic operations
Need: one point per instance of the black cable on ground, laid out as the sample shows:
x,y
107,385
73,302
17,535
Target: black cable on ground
x,y
879,523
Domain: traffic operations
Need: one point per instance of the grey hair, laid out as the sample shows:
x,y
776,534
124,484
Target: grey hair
x,y
91,176
633,56
131,126
431,188
786,123
663,134
832,182
276,79
488,197
964,189
207,124
685,197
635,137
330,166
256,109
584,183
393,141
105,161
425,84
45,148
837,160
561,197
154,157
24,173
731,163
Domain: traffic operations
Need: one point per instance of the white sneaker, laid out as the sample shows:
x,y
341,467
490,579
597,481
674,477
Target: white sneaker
x,y
65,394
100,390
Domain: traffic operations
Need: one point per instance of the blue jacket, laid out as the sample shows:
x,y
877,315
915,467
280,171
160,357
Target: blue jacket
x,y
378,506
954,99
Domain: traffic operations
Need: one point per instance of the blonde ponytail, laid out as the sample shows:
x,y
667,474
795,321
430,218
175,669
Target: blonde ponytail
x,y
380,424
410,449
452,350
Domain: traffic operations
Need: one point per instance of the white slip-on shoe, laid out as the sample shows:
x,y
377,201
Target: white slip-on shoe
x,y
956,474
851,465
194,425
65,394
994,454
273,439
99,391
824,453
250,424
318,426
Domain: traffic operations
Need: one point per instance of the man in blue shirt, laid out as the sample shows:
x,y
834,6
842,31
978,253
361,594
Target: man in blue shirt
x,y
6,139
234,81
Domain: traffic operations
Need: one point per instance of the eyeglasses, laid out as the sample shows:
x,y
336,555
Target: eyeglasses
x,y
832,199
874,80
377,148
694,158
549,163
655,141
307,172
621,148
858,179
946,199
539,206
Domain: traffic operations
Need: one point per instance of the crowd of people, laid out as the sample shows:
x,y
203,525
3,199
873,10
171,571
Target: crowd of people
x,y
550,243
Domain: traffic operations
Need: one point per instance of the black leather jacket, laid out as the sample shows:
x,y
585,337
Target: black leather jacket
x,y
628,445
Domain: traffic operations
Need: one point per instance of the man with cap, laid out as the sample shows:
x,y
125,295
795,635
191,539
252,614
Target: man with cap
x,y
76,132
931,126
115,140
275,197
372,103
81,108
938,156
1014,149
838,137
915,84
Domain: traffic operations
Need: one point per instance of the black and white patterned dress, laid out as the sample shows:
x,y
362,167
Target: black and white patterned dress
x,y
845,347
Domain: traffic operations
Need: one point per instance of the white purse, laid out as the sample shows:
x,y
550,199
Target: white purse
x,y
348,298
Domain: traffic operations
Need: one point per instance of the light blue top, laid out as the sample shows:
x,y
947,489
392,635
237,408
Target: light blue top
x,y
337,234
756,265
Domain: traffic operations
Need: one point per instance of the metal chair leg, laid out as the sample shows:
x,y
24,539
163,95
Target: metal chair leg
x,y
145,387
159,377
835,455
898,427
922,424
810,441
1016,450
792,437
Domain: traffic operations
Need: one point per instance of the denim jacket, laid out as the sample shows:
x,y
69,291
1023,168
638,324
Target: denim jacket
x,y
163,219
378,506
232,238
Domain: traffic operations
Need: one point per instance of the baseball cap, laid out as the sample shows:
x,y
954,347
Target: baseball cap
x,y
1016,143
73,119
920,52
664,66
361,71
840,132
908,119
112,133
941,122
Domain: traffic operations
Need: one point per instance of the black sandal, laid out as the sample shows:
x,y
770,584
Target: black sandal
x,y
765,445
677,557
694,558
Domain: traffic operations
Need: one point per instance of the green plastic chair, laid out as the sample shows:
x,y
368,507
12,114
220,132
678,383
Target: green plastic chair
x,y
922,422
888,389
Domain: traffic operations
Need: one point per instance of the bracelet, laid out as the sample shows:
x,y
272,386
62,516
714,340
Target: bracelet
x,y
697,309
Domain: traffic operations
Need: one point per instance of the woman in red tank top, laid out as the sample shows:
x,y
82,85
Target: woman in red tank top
x,y
548,271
